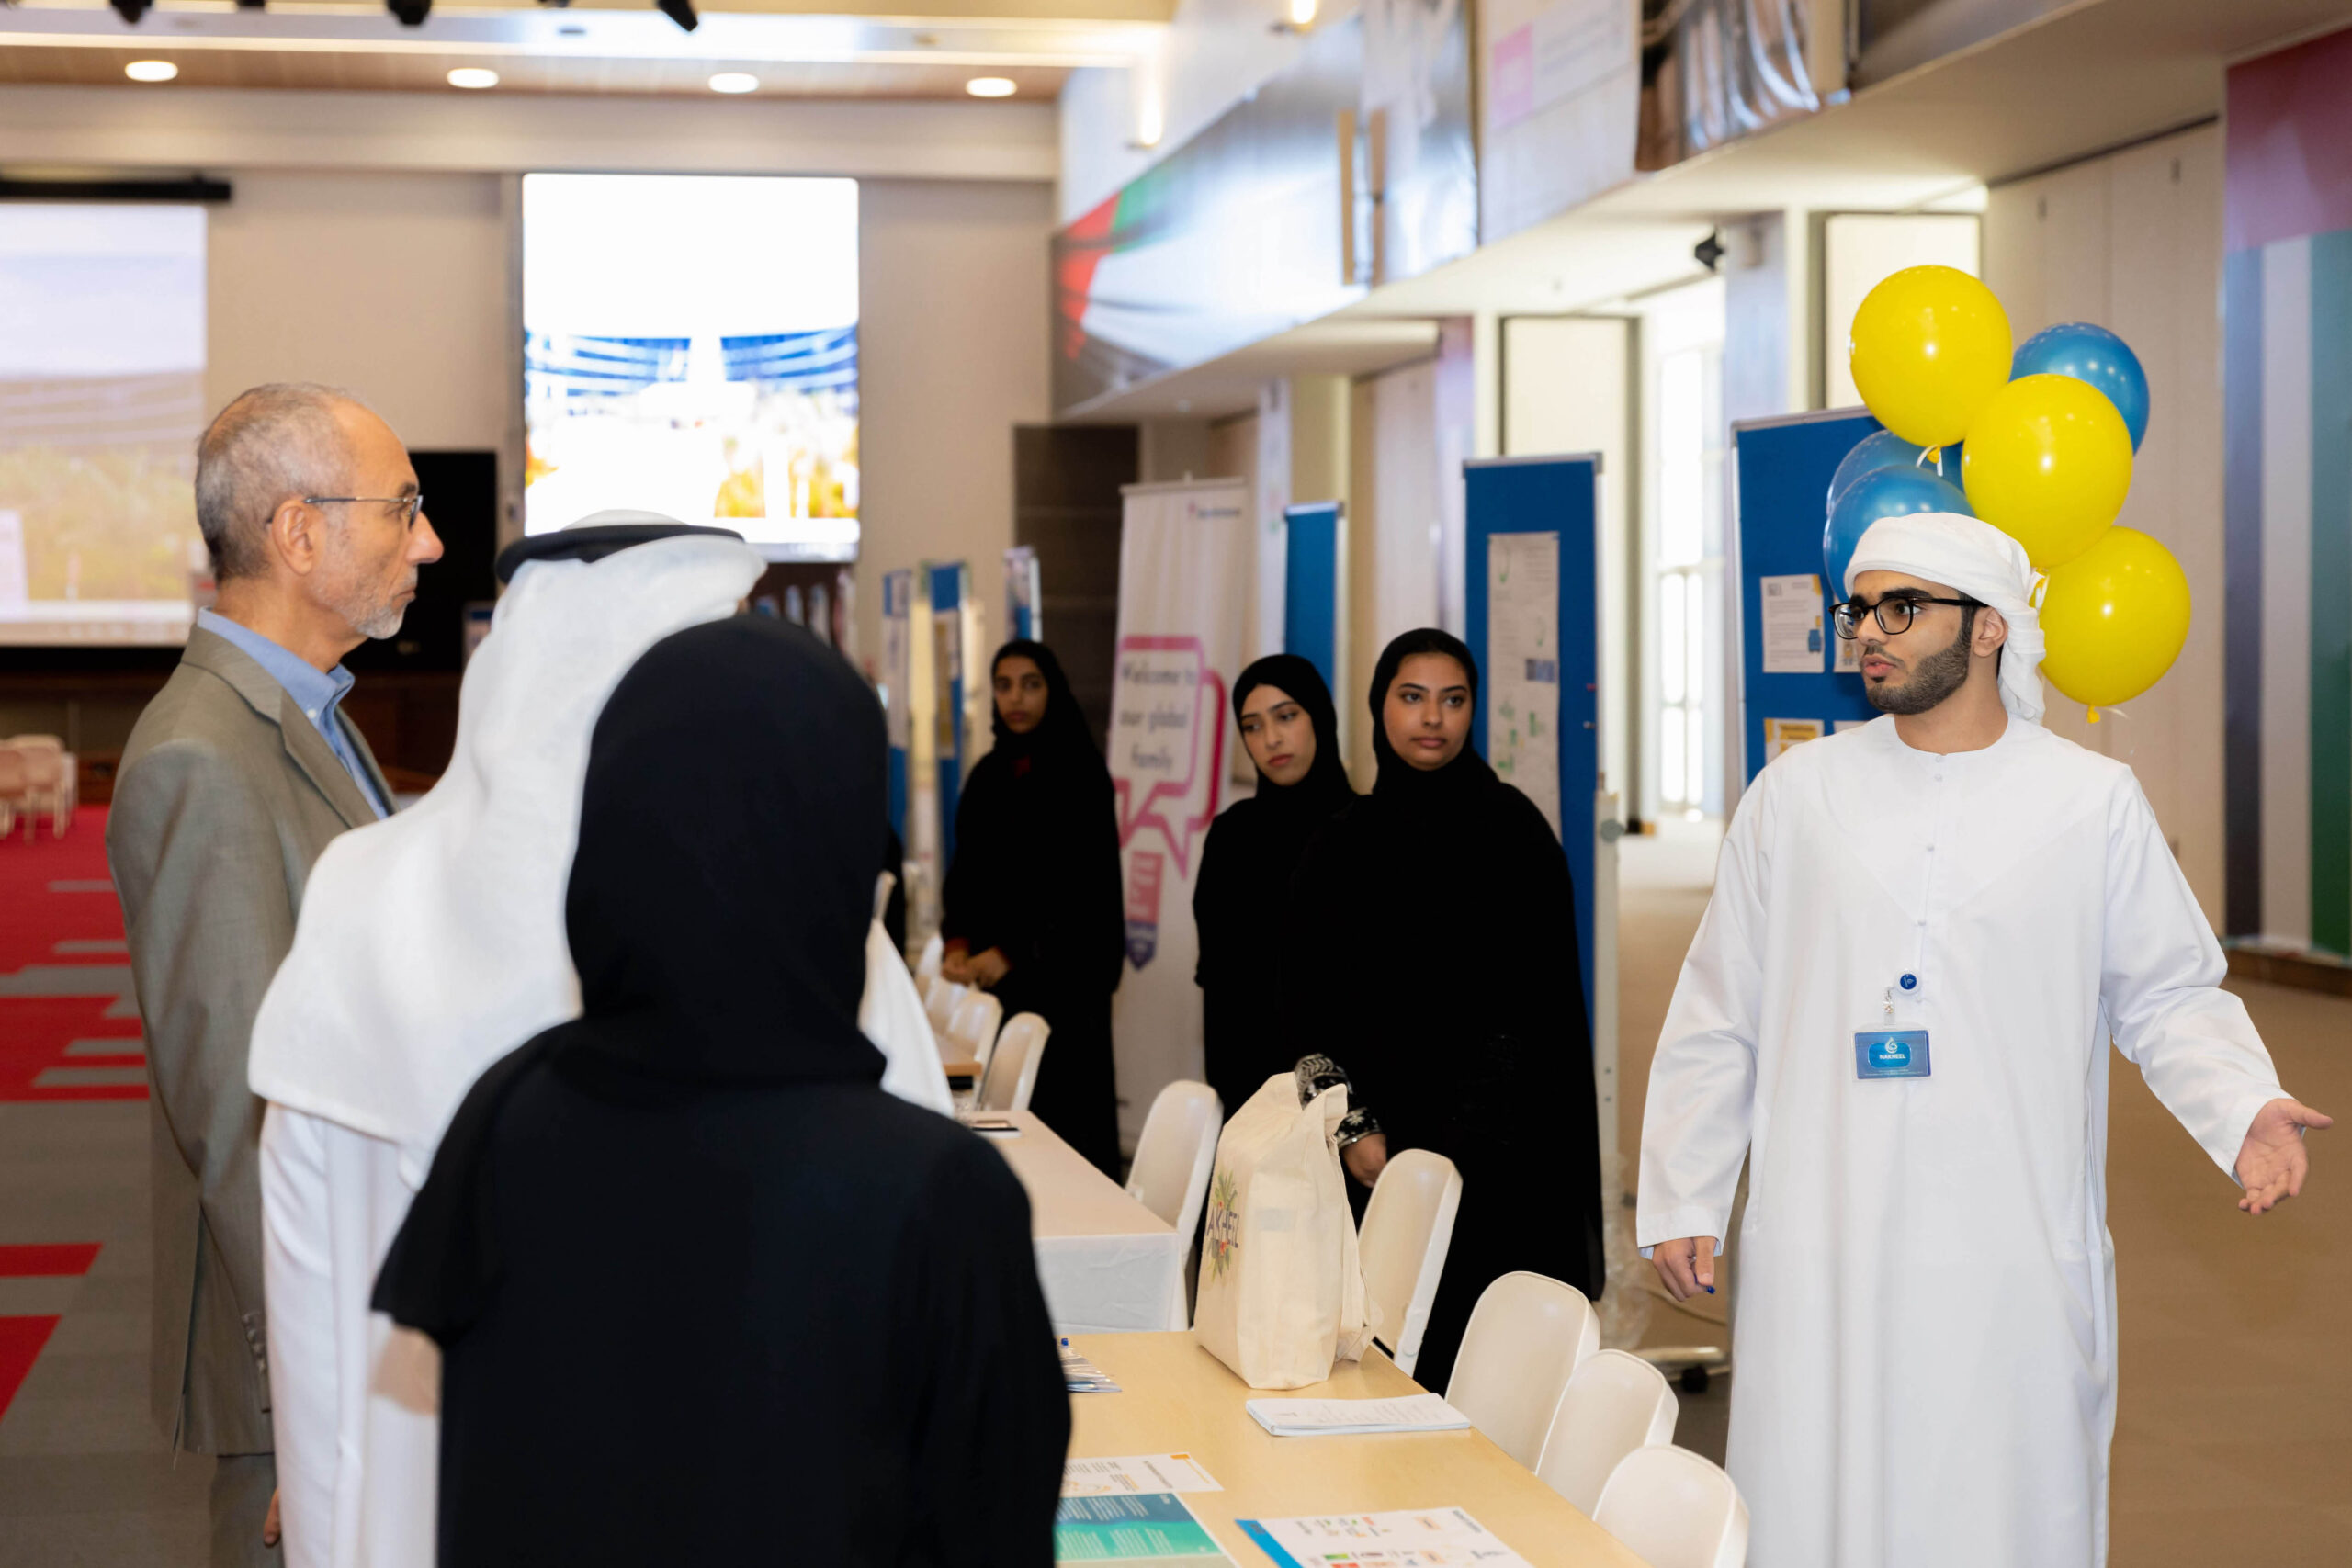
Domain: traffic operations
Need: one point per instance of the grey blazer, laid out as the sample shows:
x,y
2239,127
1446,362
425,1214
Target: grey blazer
x,y
226,796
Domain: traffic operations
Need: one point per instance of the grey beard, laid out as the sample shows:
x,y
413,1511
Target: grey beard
x,y
377,620
1933,679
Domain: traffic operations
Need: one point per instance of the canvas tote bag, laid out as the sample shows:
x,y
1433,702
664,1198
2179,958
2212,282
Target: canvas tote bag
x,y
1280,1290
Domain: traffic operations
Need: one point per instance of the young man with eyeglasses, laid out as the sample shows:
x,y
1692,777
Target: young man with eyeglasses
x,y
1923,935
235,778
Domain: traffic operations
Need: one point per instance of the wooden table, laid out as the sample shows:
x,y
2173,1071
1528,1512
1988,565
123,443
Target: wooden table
x,y
1108,1264
1177,1398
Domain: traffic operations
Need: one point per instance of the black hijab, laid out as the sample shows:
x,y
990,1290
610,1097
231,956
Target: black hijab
x,y
1063,730
1400,784
717,911
1325,788
1241,908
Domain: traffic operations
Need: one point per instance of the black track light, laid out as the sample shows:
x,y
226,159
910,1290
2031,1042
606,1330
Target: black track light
x,y
411,13
130,10
679,11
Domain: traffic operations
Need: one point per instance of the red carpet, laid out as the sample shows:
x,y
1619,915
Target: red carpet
x,y
57,912
22,1338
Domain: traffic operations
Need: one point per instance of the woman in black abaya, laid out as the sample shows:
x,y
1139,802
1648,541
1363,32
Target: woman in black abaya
x,y
1033,908
704,1292
1241,900
1443,979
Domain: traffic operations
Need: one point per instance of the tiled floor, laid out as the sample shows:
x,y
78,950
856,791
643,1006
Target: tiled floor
x,y
2233,1438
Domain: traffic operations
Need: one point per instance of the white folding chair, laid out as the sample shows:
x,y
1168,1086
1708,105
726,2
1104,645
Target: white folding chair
x,y
1614,1403
1526,1338
1408,1227
934,953
940,996
1012,1076
49,779
1170,1173
883,883
1673,1509
972,1027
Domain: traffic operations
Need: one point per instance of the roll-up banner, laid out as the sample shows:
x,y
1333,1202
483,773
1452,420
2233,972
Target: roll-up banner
x,y
1181,640
897,689
1533,611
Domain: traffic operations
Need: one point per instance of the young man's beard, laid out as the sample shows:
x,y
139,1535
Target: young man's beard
x,y
1933,679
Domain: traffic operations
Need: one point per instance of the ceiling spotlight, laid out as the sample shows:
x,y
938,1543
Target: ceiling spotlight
x,y
411,13
991,86
151,70
679,11
734,82
130,10
473,77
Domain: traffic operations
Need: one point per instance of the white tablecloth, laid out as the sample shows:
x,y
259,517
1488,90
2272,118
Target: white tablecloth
x,y
1108,1264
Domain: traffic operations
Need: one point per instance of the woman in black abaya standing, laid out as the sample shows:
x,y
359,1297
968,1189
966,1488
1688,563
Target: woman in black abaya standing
x,y
705,1293
1241,900
1032,910
1443,979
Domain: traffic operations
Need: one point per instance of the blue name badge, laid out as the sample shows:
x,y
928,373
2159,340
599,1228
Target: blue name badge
x,y
1891,1054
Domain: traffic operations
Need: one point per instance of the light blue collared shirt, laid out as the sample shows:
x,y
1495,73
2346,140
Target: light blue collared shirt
x,y
318,692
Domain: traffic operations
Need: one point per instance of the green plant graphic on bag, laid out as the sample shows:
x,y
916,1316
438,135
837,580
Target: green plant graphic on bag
x,y
1224,1232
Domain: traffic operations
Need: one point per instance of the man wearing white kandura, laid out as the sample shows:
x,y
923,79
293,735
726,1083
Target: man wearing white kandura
x,y
430,945
1924,933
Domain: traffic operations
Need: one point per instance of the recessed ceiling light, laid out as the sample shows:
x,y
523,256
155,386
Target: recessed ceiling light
x,y
151,70
734,82
473,76
991,86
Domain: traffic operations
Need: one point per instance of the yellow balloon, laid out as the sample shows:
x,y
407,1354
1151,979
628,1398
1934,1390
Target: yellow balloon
x,y
2048,462
2114,619
1929,344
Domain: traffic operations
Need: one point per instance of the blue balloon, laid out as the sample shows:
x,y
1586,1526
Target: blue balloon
x,y
1881,493
1879,450
2092,355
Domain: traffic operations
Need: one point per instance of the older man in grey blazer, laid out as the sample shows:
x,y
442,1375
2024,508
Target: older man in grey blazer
x,y
236,777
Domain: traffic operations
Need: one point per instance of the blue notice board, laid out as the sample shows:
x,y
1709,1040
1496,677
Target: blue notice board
x,y
947,589
1559,496
1311,572
1782,494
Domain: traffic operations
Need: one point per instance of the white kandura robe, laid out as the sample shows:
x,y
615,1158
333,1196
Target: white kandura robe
x,y
358,1397
1926,1332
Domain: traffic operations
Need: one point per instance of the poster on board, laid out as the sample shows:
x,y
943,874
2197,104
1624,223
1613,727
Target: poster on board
x,y
1181,640
1523,666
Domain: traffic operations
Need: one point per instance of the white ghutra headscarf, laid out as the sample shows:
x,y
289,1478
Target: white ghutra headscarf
x,y
1975,558
433,942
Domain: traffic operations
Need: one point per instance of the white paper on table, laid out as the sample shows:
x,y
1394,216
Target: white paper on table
x,y
1134,1475
1792,630
1523,666
1432,1538
1313,1418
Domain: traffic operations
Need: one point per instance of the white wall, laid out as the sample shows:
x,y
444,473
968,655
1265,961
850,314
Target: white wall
x,y
953,342
2132,242
392,285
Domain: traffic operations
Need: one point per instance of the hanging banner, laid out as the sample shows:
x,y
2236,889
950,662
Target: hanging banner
x,y
898,690
1181,642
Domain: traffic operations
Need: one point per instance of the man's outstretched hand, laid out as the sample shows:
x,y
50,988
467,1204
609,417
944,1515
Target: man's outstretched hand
x,y
2272,1163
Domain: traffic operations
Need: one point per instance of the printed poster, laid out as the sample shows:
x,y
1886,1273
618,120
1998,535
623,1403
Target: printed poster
x,y
1181,641
1794,627
1523,655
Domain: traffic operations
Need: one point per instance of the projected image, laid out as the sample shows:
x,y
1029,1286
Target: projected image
x,y
691,349
101,401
